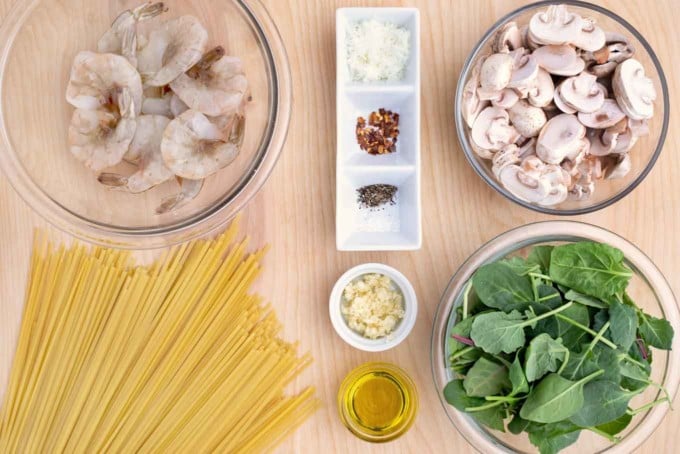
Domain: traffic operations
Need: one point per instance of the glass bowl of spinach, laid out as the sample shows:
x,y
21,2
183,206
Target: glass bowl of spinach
x,y
557,337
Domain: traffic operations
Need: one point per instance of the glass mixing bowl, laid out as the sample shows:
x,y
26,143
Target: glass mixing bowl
x,y
643,155
39,40
649,289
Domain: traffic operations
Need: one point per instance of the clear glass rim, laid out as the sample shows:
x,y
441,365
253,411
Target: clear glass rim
x,y
518,238
195,226
461,127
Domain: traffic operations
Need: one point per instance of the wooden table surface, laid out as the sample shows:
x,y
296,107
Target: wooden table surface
x,y
295,210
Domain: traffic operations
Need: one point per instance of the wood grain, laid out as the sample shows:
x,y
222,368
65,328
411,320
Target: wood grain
x,y
295,210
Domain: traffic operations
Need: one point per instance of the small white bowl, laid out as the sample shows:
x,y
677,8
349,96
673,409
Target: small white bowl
x,y
404,326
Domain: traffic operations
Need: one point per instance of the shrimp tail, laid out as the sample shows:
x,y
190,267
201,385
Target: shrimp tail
x,y
238,131
112,179
149,10
126,104
189,190
170,203
208,59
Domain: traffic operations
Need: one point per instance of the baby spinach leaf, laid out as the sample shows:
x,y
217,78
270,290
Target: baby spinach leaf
x,y
580,365
616,426
540,255
518,379
609,361
552,438
594,269
455,395
520,266
497,331
461,328
656,332
605,401
543,355
491,417
559,328
600,319
555,398
624,324
486,378
500,287
573,295
633,377
549,296
518,425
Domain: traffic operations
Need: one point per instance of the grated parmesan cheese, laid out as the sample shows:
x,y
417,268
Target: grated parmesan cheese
x,y
372,306
377,51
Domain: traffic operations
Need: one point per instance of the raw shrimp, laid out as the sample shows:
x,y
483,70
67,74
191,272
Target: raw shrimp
x,y
193,147
146,150
189,190
171,50
98,79
161,105
100,138
177,106
126,22
214,86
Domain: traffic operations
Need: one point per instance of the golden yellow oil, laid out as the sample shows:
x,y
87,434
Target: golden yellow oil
x,y
377,402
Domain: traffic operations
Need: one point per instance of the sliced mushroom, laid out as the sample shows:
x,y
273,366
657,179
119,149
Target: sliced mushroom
x,y
527,41
599,145
590,37
603,62
582,93
505,99
525,70
496,72
633,90
471,104
608,115
556,25
559,60
639,128
560,104
543,89
619,169
507,38
527,146
524,185
508,155
561,137
492,129
527,119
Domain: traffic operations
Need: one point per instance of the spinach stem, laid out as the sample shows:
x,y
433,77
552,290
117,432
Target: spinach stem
x,y
599,336
546,298
541,276
460,353
646,406
534,288
629,359
587,378
564,363
547,314
604,340
509,399
465,299
601,433
485,406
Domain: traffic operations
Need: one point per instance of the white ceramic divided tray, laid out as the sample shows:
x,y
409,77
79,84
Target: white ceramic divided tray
x,y
389,227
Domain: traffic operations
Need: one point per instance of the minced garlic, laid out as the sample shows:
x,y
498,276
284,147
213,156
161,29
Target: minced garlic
x,y
372,306
377,51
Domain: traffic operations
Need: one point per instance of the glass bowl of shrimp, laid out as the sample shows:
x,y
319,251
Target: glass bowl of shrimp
x,y
141,125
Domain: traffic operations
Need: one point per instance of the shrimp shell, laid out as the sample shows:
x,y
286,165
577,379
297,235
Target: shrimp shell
x,y
189,190
216,85
98,138
171,50
194,148
97,79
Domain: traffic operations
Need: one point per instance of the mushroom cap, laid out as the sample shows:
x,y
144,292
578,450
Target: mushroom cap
x,y
598,145
471,104
561,105
591,37
492,129
508,155
561,137
633,90
506,98
560,60
525,71
582,93
556,25
507,38
606,116
543,90
523,184
527,119
496,71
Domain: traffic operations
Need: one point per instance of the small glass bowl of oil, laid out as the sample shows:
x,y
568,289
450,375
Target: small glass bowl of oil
x,y
377,402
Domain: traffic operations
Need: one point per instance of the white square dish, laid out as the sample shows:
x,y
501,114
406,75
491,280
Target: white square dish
x,y
392,226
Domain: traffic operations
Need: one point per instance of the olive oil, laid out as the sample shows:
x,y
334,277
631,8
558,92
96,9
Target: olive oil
x,y
377,402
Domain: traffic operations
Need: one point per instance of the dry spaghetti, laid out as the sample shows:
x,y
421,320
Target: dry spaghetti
x,y
174,357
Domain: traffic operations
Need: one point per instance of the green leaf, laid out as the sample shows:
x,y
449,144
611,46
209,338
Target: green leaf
x,y
616,426
498,286
580,364
609,361
486,378
549,296
600,319
497,331
543,355
491,417
558,328
624,324
518,379
461,328
656,332
518,425
540,255
593,269
519,266
573,295
633,377
552,438
555,398
605,401
455,395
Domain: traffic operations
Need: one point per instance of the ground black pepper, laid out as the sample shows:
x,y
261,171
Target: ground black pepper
x,y
375,195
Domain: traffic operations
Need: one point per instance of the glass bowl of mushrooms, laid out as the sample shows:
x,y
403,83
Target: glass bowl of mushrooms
x,y
562,107
141,124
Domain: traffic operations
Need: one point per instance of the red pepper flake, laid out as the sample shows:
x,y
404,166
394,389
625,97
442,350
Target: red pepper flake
x,y
380,135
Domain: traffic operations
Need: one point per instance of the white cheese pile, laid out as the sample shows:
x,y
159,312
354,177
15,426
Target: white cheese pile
x,y
372,306
377,51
